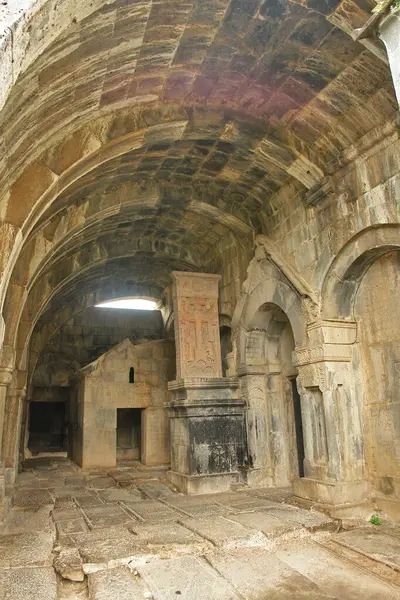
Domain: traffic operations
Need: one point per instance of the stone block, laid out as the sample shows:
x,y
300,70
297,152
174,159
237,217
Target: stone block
x,y
189,577
118,582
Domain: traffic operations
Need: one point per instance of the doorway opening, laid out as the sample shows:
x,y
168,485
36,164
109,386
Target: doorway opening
x,y
47,427
298,423
129,425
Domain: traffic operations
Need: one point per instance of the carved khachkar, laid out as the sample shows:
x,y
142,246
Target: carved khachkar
x,y
195,297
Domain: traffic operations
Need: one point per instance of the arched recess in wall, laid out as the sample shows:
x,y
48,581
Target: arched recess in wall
x,y
268,323
347,270
273,290
364,285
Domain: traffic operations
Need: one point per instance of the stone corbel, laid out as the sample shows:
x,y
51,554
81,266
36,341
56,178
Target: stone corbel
x,y
367,35
320,191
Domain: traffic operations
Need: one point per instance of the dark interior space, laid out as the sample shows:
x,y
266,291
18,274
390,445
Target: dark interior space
x,y
299,426
47,427
129,421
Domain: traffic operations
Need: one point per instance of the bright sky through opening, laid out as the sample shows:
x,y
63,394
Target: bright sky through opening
x,y
129,304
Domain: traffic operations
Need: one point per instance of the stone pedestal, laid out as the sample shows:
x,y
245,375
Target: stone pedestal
x,y
207,434
206,417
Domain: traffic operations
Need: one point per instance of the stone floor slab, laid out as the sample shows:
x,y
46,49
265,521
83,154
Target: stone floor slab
x,y
257,574
114,584
155,489
169,533
202,509
151,510
219,531
113,545
336,577
106,516
29,520
88,500
68,513
29,584
380,546
101,483
69,526
246,503
33,498
119,494
188,577
263,521
26,550
309,519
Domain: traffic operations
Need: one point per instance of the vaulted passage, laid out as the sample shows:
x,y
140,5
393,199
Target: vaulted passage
x,y
199,266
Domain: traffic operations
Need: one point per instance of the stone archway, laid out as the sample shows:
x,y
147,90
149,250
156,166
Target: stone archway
x,y
353,296
268,325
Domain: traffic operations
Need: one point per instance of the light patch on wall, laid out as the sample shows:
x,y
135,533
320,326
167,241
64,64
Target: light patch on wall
x,y
129,304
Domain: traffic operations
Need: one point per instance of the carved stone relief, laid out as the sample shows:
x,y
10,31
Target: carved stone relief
x,y
197,325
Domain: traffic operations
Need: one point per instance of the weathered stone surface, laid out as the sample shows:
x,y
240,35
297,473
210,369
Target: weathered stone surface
x,y
167,534
380,546
106,516
69,565
152,510
28,584
260,574
265,522
190,577
114,583
26,550
223,532
111,546
246,141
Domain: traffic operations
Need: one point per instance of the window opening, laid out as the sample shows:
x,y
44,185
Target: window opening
x,y
131,375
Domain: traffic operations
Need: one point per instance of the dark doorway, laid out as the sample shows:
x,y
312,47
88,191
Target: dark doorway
x,y
47,427
298,426
129,423
226,347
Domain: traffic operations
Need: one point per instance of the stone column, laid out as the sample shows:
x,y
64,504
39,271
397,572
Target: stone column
x,y
5,380
389,32
12,433
206,415
331,415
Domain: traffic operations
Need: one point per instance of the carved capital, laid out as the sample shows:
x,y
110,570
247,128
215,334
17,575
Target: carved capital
x,y
321,353
6,374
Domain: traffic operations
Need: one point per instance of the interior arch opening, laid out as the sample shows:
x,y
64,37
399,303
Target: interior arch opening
x,y
275,426
376,364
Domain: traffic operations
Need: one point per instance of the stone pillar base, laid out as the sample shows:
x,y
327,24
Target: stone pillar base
x,y
202,484
332,493
259,478
207,434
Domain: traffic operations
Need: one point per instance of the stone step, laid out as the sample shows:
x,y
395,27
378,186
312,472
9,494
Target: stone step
x,y
335,575
360,547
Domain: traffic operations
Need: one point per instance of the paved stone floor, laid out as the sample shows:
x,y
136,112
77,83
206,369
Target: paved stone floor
x,y
126,535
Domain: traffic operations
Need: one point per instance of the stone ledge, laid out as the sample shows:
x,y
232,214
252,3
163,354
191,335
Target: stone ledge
x,y
332,493
203,484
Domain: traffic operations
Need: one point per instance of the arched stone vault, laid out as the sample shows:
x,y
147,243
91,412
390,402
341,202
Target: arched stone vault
x,y
137,139
221,74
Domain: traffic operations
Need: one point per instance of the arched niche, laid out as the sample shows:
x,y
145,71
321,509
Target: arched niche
x,y
350,265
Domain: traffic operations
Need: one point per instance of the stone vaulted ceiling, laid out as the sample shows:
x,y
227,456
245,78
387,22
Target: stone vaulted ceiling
x,y
139,134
